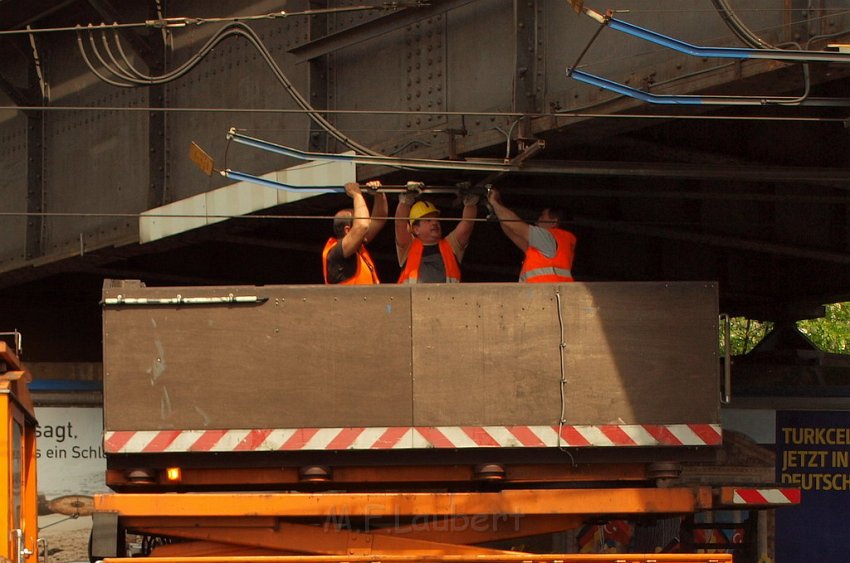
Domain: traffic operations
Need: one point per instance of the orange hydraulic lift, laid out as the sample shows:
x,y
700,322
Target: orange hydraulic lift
x,y
386,526
512,558
408,457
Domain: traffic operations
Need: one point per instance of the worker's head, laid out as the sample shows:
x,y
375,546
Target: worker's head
x,y
343,220
424,223
550,217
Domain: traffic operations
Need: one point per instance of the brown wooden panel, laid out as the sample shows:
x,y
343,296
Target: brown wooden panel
x,y
485,354
636,353
308,357
429,355
644,353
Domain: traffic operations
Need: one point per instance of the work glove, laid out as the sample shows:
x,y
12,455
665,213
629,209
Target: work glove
x,y
407,198
470,199
413,190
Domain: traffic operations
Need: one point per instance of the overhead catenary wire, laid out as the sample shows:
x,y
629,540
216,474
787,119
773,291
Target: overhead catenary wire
x,y
760,52
137,78
59,214
126,80
574,192
173,22
183,21
141,79
636,54
746,35
274,217
284,217
556,114
739,28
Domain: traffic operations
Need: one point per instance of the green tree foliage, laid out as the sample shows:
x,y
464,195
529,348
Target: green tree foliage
x,y
746,333
830,333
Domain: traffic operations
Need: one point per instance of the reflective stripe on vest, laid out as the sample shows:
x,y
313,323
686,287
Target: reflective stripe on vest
x,y
410,273
412,280
537,268
560,273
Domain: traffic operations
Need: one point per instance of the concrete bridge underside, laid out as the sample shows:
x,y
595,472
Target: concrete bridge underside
x,y
751,192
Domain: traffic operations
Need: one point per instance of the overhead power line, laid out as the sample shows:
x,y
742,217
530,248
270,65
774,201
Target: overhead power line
x,y
183,21
560,114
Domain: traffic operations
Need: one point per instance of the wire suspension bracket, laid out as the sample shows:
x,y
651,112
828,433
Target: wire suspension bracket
x,y
736,53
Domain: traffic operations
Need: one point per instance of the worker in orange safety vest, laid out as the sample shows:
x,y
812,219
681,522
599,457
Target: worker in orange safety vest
x,y
345,260
423,254
549,249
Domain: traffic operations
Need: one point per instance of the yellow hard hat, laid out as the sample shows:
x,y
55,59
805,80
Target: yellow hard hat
x,y
421,209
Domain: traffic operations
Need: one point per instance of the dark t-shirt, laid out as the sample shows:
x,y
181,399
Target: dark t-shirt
x,y
432,269
340,268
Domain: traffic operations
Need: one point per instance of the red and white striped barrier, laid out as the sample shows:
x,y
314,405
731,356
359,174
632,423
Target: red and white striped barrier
x,y
761,496
412,437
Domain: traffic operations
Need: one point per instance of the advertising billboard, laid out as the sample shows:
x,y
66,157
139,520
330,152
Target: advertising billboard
x,y
813,454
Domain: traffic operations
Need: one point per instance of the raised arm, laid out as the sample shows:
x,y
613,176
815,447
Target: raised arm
x,y
403,237
463,231
353,239
515,228
379,212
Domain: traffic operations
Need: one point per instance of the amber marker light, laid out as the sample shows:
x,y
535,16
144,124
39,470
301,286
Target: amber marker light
x,y
173,474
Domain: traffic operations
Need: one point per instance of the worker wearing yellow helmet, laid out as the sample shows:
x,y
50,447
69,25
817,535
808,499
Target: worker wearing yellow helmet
x,y
423,254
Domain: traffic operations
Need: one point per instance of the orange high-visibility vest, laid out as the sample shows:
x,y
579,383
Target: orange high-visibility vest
x,y
410,273
365,273
538,269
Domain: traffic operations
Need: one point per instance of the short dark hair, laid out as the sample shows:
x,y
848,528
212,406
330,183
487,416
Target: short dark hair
x,y
343,218
558,213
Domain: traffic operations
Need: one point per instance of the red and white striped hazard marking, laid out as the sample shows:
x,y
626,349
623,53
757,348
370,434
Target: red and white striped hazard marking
x,y
411,437
762,496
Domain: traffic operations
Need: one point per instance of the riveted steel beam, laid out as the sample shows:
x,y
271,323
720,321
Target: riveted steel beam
x,y
368,30
35,185
528,36
319,76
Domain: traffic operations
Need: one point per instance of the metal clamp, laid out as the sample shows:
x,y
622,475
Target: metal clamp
x,y
21,550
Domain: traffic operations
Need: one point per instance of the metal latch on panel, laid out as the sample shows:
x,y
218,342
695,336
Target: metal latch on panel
x,y
179,300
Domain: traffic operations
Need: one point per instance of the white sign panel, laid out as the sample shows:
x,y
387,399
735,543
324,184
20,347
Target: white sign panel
x,y
70,451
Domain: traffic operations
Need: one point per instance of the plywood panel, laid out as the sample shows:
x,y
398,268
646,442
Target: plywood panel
x,y
485,354
634,354
304,358
642,353
429,355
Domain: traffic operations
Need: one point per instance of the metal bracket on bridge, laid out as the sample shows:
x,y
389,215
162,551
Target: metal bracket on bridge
x,y
737,53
